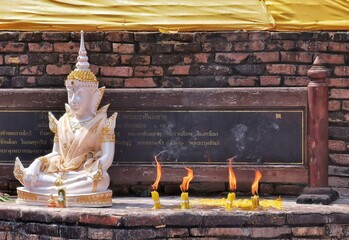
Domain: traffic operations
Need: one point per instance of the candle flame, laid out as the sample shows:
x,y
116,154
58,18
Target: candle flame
x,y
257,177
158,174
186,180
232,178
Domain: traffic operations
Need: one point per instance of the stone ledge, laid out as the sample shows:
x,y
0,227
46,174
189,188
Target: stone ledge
x,y
133,218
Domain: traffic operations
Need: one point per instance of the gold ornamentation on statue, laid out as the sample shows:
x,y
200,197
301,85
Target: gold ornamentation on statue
x,y
97,177
43,160
59,181
55,138
52,123
76,125
99,198
27,196
81,75
18,172
108,138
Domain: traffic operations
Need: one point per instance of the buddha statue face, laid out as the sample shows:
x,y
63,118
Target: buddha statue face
x,y
80,99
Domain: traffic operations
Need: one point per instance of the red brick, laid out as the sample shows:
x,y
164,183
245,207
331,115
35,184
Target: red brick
x,y
187,47
220,232
338,47
269,232
135,60
281,45
308,231
66,47
242,81
267,57
177,232
147,36
151,48
303,57
312,46
296,81
22,81
100,233
341,182
56,36
31,70
8,71
338,82
303,69
281,69
334,105
339,93
117,71
109,220
270,80
140,82
40,47
249,46
16,59
101,46
58,69
149,71
111,82
258,35
340,159
123,48
196,58
217,47
345,105
341,71
179,70
329,58
166,59
94,69
121,36
231,57
10,47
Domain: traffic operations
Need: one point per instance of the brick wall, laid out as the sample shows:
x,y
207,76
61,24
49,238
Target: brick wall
x,y
202,59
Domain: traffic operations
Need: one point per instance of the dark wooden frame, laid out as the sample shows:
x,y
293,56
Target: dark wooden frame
x,y
180,99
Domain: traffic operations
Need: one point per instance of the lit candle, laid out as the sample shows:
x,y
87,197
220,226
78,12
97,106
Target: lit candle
x,y
232,187
185,200
254,189
154,194
230,200
184,187
156,198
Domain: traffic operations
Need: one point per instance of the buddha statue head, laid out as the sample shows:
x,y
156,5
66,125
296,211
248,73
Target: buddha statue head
x,y
84,95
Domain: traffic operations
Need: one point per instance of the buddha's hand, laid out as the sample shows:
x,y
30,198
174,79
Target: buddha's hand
x,y
32,173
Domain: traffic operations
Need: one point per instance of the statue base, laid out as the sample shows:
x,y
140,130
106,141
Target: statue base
x,y
98,199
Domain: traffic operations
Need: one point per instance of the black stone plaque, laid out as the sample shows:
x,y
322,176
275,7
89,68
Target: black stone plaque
x,y
190,137
211,137
24,134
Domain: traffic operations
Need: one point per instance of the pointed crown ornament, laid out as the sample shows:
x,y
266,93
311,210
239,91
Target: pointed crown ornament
x,y
82,71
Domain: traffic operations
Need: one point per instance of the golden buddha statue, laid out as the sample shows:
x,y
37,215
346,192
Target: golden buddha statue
x,y
83,149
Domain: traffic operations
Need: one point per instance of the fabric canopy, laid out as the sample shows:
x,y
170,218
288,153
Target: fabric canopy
x,y
174,15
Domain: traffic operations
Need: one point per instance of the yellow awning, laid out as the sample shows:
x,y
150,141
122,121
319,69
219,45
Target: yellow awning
x,y
298,15
174,15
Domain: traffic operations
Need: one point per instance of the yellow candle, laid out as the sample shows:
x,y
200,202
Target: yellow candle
x,y
230,200
255,201
156,198
185,200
